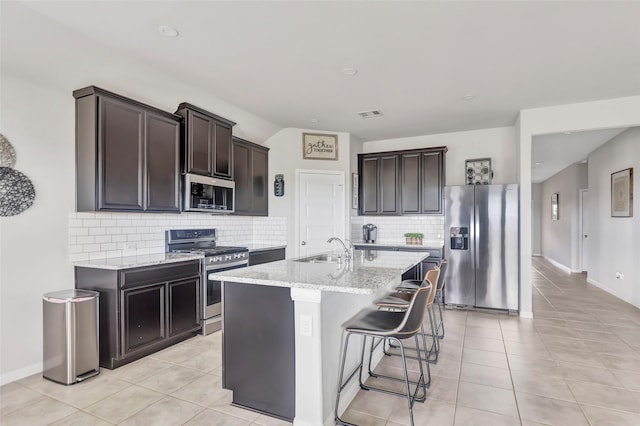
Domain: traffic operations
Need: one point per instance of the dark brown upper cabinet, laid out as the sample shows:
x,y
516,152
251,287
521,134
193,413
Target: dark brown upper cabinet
x,y
127,154
402,182
379,184
206,142
250,173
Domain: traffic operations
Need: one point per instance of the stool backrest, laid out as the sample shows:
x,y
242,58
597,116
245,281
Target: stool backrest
x,y
415,312
432,276
443,269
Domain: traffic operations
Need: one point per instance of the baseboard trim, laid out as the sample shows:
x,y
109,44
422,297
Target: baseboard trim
x,y
526,314
20,373
537,254
558,265
610,291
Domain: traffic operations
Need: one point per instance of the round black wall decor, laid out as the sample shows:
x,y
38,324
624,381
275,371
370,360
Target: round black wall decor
x,y
7,153
16,192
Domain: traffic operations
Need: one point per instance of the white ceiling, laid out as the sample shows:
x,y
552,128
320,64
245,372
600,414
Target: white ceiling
x,y
557,151
283,61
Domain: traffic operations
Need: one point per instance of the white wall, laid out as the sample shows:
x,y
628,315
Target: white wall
x,y
498,143
536,201
614,242
38,121
610,113
559,238
285,157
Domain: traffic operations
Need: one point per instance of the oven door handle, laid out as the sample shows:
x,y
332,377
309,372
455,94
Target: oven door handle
x,y
210,269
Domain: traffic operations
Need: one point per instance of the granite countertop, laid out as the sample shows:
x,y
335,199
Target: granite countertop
x,y
127,262
426,246
263,247
366,274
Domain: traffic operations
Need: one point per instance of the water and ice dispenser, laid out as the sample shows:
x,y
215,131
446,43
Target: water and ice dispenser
x,y
459,238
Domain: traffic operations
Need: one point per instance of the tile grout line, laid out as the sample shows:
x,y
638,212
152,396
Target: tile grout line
x,y
464,338
513,386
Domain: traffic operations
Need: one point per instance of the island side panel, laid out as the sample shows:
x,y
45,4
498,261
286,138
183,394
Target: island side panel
x,y
258,347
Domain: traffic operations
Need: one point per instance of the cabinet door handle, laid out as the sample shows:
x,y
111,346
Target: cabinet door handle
x,y
304,243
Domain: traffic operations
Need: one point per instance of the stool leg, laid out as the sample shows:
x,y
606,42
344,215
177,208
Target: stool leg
x,y
406,380
426,354
440,299
435,346
342,385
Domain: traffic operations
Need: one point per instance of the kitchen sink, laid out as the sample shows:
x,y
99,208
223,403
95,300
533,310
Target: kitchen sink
x,y
321,258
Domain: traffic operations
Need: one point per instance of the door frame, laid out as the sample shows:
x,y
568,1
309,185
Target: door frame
x,y
581,194
346,205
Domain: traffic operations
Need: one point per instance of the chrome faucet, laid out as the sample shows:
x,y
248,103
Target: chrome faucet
x,y
347,252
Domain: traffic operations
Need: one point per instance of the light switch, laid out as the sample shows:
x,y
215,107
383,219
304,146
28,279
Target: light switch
x,y
306,325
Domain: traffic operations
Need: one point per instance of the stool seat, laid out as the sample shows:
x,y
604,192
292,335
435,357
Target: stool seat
x,y
409,285
373,321
394,300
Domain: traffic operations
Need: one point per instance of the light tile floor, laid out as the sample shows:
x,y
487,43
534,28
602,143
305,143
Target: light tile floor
x,y
181,385
576,363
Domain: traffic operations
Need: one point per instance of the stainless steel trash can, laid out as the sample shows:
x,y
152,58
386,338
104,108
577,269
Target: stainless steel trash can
x,y
70,335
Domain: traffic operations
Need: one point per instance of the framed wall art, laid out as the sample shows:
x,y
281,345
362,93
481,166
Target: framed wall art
x,y
317,146
622,193
554,207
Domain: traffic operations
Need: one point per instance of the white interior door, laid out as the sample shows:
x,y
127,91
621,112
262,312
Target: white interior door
x,y
584,226
321,212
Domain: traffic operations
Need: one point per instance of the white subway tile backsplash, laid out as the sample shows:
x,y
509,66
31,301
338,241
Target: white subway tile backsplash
x,y
90,247
78,231
97,231
105,234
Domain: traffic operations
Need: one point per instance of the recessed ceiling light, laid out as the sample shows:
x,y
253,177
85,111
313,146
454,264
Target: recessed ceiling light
x,y
167,31
469,97
567,133
584,161
349,71
315,120
539,163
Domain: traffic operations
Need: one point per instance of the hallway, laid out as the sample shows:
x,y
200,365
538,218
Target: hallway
x,y
576,363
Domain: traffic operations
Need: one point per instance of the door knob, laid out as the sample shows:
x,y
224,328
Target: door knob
x,y
585,235
304,243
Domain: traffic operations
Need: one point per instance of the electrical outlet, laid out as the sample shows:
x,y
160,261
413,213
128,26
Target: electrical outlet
x,y
619,276
306,325
129,249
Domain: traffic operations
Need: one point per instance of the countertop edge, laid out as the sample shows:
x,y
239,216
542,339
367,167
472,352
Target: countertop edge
x,y
131,262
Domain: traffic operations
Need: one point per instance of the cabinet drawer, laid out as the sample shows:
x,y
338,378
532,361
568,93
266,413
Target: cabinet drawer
x,y
154,274
266,256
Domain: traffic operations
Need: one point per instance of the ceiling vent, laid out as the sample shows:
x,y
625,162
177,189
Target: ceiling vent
x,y
370,114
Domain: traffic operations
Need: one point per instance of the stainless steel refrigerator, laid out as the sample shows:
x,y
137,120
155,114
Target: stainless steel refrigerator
x,y
481,243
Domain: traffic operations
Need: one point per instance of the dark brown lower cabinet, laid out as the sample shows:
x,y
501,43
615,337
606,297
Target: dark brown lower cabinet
x,y
143,310
266,256
183,306
143,316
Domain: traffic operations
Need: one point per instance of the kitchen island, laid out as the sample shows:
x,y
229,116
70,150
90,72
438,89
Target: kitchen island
x,y
282,329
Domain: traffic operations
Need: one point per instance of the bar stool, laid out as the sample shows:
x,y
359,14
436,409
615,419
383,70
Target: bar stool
x,y
440,296
396,326
401,299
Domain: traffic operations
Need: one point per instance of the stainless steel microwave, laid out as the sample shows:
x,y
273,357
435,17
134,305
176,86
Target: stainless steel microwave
x,y
207,194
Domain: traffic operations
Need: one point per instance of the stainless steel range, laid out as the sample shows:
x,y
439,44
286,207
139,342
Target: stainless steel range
x,y
216,259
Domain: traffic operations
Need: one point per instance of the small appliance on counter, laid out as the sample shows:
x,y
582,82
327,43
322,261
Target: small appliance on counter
x,y
369,233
